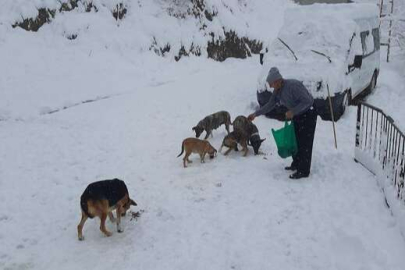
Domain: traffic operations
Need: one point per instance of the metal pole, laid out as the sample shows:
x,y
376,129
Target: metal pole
x,y
381,7
390,32
358,125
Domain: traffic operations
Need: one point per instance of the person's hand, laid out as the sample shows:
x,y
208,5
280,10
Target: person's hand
x,y
289,115
251,117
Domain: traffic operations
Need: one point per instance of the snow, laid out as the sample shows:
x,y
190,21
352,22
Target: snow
x,y
229,213
336,12
385,182
389,94
148,21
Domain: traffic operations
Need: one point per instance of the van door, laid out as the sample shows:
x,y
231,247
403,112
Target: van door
x,y
361,77
369,54
355,73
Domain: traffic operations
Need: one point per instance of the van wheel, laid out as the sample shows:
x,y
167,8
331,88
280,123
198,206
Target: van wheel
x,y
373,82
348,98
345,102
371,86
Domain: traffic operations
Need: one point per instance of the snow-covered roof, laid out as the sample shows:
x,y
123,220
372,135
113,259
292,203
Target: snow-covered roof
x,y
324,28
334,12
320,37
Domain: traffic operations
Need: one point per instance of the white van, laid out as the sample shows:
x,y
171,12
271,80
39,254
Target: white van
x,y
335,45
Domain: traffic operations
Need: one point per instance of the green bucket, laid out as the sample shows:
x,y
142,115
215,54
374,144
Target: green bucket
x,y
285,140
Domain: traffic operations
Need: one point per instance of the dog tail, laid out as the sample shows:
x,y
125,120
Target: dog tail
x,y
182,149
83,206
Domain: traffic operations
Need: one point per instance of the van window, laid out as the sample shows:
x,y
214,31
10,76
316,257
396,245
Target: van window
x,y
376,37
364,43
356,47
367,42
370,44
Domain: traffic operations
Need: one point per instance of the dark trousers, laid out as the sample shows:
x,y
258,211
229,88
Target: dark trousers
x,y
304,126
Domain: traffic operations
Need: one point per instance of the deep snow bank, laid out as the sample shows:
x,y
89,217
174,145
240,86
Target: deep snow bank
x,y
216,29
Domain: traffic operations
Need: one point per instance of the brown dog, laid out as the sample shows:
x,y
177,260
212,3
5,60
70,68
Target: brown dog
x,y
232,139
193,145
100,199
242,124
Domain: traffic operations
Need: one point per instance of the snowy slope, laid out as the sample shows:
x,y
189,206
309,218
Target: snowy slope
x,y
109,49
229,213
168,27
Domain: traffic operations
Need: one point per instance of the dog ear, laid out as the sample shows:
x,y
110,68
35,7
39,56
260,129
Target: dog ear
x,y
133,202
193,129
263,140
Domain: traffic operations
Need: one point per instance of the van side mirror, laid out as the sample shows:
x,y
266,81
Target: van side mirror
x,y
358,61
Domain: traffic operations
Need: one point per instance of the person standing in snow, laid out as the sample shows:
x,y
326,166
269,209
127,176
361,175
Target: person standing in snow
x,y
295,96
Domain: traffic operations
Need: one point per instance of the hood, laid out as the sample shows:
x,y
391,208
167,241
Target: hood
x,y
315,76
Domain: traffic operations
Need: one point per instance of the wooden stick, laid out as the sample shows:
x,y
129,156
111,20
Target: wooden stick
x,y
331,113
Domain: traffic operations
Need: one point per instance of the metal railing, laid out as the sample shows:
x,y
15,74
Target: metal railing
x,y
380,147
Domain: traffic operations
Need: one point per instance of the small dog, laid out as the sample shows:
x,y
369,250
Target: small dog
x,y
193,145
231,141
242,124
100,199
211,122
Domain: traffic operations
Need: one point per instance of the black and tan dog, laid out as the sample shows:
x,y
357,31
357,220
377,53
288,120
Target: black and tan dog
x,y
233,139
213,121
201,147
243,125
99,199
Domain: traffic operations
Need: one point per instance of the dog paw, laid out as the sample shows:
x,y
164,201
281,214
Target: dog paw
x,y
81,238
120,230
108,234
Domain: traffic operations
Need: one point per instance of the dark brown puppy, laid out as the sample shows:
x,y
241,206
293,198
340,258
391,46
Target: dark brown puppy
x,y
233,139
99,199
212,121
193,145
243,125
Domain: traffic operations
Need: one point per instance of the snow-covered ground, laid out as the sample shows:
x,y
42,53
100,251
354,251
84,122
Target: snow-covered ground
x,y
232,212
229,213
389,94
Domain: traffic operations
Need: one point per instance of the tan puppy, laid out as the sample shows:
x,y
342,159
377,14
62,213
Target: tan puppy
x,y
193,145
99,199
